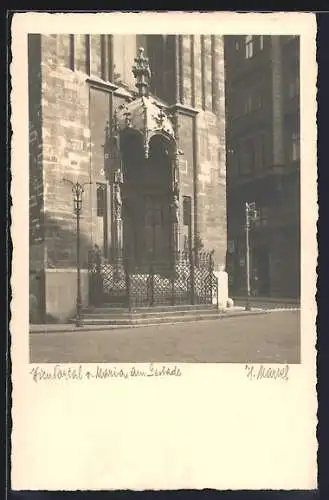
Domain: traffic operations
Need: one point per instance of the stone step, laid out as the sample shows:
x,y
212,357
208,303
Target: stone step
x,y
151,320
148,314
152,309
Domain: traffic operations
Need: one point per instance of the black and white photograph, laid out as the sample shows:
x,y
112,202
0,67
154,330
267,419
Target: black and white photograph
x,y
164,198
164,210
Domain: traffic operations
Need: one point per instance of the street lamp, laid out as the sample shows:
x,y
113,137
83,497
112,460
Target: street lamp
x,y
251,215
77,190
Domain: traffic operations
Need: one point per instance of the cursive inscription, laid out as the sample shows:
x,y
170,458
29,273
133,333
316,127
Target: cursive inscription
x,y
100,372
267,372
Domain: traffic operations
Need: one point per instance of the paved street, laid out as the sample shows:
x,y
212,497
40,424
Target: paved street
x,y
265,338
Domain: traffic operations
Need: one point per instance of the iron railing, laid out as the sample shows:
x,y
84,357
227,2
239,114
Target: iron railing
x,y
187,279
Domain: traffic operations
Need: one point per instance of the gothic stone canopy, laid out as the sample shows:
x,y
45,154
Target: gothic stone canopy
x,y
143,114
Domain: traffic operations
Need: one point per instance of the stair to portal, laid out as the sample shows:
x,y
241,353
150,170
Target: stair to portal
x,y
121,316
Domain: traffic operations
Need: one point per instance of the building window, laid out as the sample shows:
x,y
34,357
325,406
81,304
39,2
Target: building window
x,y
251,101
80,53
293,85
248,103
249,45
101,197
248,159
124,52
261,42
110,57
237,45
257,99
236,160
264,216
71,52
251,156
203,72
295,146
104,58
186,210
262,151
95,55
87,43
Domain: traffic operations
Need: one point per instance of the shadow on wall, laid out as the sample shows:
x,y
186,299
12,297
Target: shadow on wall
x,y
61,243
60,254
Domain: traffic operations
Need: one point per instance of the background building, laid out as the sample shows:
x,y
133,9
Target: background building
x,y
263,161
76,85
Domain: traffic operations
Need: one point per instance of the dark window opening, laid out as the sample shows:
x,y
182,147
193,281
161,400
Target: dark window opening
x,y
87,43
186,210
103,58
101,200
71,53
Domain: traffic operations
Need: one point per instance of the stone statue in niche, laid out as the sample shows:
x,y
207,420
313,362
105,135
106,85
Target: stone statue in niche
x,y
117,200
117,181
175,209
176,189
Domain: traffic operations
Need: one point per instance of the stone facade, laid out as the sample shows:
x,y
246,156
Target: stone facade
x,y
263,161
76,82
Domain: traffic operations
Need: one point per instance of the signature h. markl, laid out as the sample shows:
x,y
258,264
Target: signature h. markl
x,y
267,372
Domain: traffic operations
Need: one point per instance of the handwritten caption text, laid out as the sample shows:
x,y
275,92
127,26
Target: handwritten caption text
x,y
63,373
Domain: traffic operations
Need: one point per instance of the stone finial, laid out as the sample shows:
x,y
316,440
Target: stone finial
x,y
142,73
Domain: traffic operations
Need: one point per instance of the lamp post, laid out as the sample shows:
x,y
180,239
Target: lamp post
x,y
77,190
251,215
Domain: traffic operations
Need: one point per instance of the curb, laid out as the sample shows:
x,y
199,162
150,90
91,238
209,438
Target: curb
x,y
89,328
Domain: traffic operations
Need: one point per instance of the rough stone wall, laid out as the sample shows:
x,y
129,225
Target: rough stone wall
x,y
211,172
211,186
66,138
35,157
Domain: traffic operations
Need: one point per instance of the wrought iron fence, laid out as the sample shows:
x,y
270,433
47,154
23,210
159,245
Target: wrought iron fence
x,y
187,279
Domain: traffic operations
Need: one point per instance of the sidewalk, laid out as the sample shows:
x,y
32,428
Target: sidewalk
x,y
71,328
268,300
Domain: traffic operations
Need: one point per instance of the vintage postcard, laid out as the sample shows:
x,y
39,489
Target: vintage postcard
x,y
164,215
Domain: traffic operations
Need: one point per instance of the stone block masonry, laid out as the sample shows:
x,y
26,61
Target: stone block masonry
x,y
205,88
66,155
35,158
211,187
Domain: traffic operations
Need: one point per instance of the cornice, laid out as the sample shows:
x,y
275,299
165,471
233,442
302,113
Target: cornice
x,y
183,109
100,84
